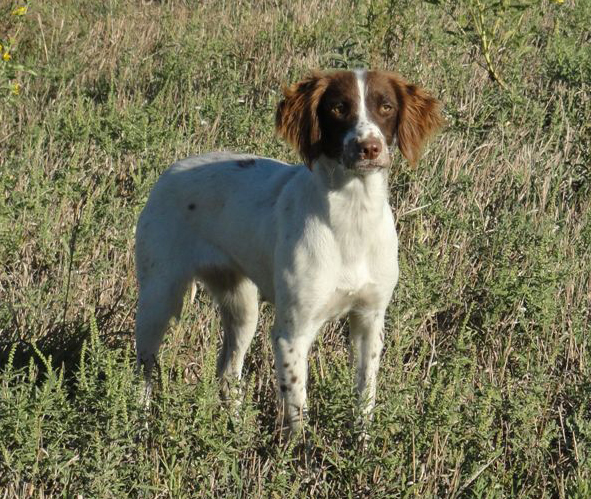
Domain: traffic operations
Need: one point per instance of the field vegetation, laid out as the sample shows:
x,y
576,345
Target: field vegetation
x,y
485,386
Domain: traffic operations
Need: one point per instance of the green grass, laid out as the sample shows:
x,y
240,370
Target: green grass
x,y
485,384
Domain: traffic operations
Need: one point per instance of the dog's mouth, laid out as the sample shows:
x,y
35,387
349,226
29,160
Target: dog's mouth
x,y
366,165
357,159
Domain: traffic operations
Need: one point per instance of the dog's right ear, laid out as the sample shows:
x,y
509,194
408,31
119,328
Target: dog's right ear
x,y
296,119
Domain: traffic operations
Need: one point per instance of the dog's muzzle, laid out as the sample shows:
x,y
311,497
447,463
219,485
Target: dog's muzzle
x,y
365,154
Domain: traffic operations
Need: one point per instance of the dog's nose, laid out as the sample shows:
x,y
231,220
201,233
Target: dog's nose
x,y
369,148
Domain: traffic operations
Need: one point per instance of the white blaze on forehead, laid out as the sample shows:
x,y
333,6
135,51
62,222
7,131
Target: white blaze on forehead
x,y
364,127
360,77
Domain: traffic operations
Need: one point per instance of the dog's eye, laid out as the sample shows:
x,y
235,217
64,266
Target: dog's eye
x,y
339,109
386,108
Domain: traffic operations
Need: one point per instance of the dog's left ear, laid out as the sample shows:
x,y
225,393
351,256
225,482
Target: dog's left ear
x,y
419,117
296,119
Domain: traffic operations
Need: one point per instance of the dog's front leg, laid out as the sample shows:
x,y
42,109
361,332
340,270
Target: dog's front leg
x,y
291,345
367,340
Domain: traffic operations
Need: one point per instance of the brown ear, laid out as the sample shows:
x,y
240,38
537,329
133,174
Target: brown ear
x,y
296,119
418,118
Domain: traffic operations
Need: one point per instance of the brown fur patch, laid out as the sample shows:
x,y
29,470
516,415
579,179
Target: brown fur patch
x,y
338,112
296,119
419,116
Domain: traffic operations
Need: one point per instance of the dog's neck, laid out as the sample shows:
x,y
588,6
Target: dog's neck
x,y
369,188
351,197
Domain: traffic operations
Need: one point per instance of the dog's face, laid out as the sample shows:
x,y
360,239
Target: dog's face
x,y
353,118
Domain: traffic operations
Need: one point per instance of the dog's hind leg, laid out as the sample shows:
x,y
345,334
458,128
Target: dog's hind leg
x,y
237,299
158,302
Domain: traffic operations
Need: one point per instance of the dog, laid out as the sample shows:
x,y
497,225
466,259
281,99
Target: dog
x,y
317,240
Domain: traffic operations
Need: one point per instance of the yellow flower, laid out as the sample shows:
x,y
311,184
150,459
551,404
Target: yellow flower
x,y
6,56
16,89
20,11
558,1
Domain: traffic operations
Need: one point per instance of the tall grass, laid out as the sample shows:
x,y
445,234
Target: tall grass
x,y
484,389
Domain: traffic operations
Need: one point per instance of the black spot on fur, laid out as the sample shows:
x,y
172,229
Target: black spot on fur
x,y
294,379
283,388
246,162
191,206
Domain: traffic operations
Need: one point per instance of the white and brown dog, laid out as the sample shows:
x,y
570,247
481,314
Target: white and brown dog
x,y
318,242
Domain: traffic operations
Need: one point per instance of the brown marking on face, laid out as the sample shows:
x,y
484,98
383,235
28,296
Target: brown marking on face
x,y
246,162
294,379
338,112
382,103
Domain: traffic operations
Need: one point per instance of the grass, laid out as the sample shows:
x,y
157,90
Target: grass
x,y
484,389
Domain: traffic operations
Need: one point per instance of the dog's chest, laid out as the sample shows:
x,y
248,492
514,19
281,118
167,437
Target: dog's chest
x,y
364,258
362,280
351,293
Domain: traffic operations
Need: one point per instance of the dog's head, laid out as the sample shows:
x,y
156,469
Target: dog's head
x,y
353,117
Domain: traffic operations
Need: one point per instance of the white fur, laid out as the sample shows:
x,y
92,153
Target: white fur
x,y
317,243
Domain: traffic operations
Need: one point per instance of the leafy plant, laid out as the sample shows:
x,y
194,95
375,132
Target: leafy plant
x,y
11,22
